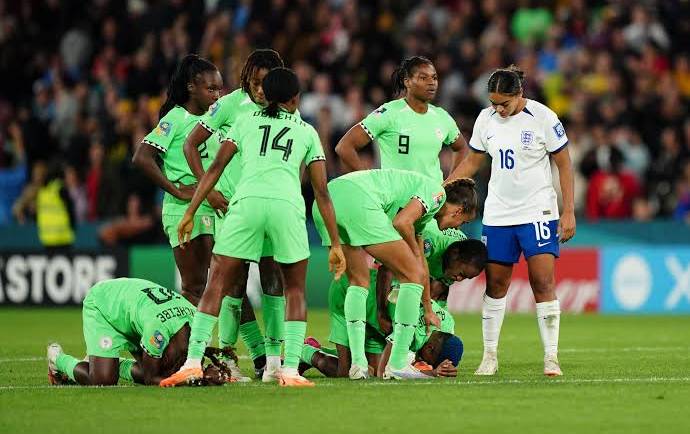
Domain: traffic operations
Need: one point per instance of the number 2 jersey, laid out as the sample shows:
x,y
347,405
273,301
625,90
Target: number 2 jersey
x,y
520,189
142,311
271,152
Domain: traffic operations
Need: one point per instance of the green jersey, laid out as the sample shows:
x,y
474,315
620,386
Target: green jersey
x,y
410,140
218,120
143,311
169,137
271,151
447,326
393,189
436,242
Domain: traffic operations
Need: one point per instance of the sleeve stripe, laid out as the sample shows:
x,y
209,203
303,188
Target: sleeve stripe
x,y
560,148
155,145
475,149
317,158
366,130
426,207
147,352
209,129
453,141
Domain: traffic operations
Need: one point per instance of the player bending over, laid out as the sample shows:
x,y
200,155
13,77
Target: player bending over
x,y
135,315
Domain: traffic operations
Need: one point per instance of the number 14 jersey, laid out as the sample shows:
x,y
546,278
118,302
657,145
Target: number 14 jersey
x,y
520,189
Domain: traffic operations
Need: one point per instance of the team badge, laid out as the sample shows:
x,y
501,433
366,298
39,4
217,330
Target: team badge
x,y
379,111
106,342
214,108
163,128
559,130
438,198
484,239
439,133
206,221
527,137
427,247
157,340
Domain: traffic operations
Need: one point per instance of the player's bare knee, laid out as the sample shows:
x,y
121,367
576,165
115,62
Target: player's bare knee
x,y
98,379
543,286
497,288
413,274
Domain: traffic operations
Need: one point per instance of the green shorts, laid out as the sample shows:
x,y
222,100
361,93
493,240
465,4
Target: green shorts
x,y
102,340
361,221
203,225
254,224
374,341
266,250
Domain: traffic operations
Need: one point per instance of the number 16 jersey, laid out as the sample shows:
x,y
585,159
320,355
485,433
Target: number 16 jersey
x,y
271,151
520,189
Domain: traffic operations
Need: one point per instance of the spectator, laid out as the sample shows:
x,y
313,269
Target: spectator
x,y
12,172
612,190
55,212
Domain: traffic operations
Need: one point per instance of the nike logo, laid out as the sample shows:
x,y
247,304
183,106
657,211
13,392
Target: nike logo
x,y
543,244
490,137
486,317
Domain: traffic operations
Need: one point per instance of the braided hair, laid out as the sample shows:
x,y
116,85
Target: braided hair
x,y
280,86
407,69
461,192
178,91
263,58
507,81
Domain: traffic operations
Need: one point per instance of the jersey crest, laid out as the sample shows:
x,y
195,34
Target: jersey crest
x,y
559,130
438,198
163,128
427,247
214,108
526,137
157,340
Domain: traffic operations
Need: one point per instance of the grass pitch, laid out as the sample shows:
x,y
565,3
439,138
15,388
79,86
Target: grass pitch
x,y
623,374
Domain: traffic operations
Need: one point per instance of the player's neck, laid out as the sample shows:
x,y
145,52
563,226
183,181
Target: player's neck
x,y
417,105
194,108
521,105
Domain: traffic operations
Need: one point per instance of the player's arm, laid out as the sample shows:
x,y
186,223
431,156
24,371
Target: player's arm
x,y
430,316
145,159
404,223
151,374
348,148
319,183
566,229
459,147
439,291
227,150
384,280
468,167
191,153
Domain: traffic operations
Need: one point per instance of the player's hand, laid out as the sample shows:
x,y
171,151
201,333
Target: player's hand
x,y
184,229
385,324
336,261
566,227
218,202
446,369
430,318
185,192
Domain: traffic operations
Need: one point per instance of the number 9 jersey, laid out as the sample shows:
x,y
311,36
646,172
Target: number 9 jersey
x,y
520,189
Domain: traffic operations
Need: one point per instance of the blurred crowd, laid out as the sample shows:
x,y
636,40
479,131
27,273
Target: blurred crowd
x,y
82,82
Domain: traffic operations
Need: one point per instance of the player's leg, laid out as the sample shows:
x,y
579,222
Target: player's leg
x,y
273,306
503,251
193,261
252,337
355,309
235,309
398,257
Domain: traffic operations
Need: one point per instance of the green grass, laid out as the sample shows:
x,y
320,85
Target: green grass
x,y
622,374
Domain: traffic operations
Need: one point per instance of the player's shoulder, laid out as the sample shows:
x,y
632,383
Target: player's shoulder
x,y
539,111
175,114
485,115
438,110
390,107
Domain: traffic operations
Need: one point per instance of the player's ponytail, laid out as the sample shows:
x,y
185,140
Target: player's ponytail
x,y
406,70
461,192
506,81
280,85
178,88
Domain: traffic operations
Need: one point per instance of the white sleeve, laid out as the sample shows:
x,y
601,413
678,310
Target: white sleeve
x,y
554,132
477,141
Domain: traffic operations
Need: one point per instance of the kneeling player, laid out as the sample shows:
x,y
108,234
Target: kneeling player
x,y
135,315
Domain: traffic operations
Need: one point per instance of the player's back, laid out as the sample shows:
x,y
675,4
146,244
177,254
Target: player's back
x,y
271,151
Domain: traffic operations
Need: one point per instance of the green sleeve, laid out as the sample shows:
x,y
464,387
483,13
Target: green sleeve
x,y
315,150
453,130
162,136
432,197
376,122
154,340
220,113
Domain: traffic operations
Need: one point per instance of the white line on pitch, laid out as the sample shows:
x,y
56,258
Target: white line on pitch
x,y
41,359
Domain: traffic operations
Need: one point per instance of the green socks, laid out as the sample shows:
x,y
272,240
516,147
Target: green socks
x,y
356,317
274,320
202,328
406,318
294,341
253,339
126,369
307,353
66,364
229,321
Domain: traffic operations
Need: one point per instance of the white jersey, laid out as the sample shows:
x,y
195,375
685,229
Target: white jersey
x,y
520,189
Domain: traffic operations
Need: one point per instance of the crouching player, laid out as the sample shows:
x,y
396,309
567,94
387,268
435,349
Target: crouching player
x,y
451,258
135,315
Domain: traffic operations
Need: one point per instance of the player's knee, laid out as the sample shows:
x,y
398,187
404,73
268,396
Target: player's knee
x,y
543,284
102,379
413,274
271,284
497,288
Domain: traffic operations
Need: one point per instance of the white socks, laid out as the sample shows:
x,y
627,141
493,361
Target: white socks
x,y
191,363
549,319
273,363
493,311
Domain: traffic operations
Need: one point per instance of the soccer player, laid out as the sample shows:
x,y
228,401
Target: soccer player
x,y
271,144
521,213
237,314
132,315
451,258
410,130
194,87
380,212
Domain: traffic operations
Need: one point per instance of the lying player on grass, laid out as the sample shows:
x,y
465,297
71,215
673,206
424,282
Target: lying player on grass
x,y
135,315
450,261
